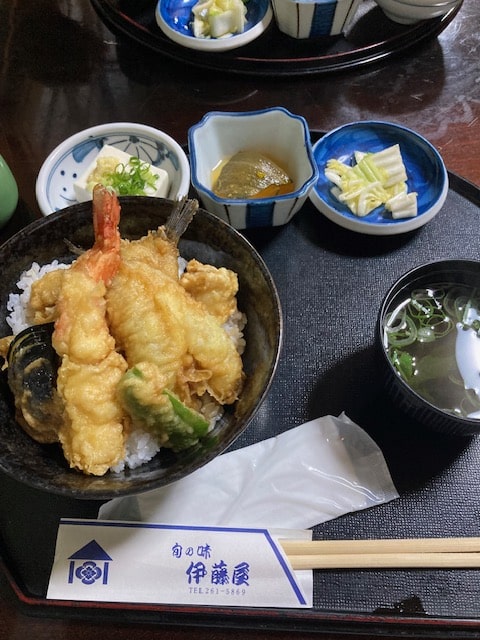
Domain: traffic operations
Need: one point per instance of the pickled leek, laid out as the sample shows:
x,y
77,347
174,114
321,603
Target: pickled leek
x,y
218,18
375,179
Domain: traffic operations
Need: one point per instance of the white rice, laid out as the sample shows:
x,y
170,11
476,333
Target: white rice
x,y
140,446
234,326
17,303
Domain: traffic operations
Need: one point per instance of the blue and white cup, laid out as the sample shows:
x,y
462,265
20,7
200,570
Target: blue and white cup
x,y
304,19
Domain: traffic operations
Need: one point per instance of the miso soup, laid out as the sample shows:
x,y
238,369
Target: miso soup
x,y
432,337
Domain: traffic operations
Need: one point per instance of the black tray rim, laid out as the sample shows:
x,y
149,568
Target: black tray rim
x,y
240,618
237,62
272,619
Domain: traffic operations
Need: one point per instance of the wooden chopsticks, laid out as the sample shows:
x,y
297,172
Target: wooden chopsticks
x,y
446,553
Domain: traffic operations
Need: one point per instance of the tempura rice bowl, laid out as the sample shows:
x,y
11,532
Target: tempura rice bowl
x,y
210,241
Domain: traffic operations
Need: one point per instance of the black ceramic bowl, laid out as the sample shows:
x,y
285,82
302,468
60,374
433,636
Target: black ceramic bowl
x,y
209,240
425,403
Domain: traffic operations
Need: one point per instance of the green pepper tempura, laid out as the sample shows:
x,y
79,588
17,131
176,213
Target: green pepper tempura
x,y
174,424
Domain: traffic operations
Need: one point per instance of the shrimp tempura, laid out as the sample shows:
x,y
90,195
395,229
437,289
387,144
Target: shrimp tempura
x,y
92,433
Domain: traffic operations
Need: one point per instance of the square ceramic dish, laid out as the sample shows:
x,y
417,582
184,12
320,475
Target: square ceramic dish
x,y
275,132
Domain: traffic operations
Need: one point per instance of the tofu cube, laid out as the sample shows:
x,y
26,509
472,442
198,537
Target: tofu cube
x,y
83,190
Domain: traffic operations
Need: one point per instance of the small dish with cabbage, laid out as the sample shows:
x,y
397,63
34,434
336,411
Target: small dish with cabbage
x,y
378,178
213,25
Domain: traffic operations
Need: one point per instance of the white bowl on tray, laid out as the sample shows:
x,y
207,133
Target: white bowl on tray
x,y
274,132
412,11
72,157
426,175
173,17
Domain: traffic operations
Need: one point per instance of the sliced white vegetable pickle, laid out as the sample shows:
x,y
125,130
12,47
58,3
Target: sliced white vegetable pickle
x,y
218,18
375,179
403,205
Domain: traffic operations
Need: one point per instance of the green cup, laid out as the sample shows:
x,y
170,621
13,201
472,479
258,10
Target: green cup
x,y
8,193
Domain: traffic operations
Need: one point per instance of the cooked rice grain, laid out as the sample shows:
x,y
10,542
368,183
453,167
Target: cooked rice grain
x,y
17,303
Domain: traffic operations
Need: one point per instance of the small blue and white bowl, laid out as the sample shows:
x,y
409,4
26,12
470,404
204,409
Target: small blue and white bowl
x,y
304,19
72,157
275,132
426,173
174,17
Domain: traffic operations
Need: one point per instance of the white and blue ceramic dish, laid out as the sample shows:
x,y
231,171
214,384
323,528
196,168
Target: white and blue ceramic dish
x,y
410,12
425,168
275,132
314,18
174,19
68,161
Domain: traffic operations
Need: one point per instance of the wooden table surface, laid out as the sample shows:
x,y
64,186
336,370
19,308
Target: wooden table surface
x,y
62,71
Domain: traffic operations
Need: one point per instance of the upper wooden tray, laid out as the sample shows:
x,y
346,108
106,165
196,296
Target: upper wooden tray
x,y
370,37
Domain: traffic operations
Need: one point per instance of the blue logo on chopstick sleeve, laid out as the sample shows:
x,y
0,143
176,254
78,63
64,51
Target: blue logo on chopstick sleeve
x,y
89,564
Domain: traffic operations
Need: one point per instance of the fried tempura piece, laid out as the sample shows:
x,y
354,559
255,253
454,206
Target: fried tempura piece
x,y
216,288
213,351
92,432
44,295
4,347
81,331
147,324
154,250
155,319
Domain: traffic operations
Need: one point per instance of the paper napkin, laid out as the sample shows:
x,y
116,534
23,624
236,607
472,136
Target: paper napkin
x,y
302,477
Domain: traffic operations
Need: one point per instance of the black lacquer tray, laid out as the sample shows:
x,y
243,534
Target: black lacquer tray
x,y
331,282
371,37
